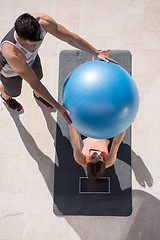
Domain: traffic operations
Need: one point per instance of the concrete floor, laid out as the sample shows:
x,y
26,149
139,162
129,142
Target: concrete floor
x,y
27,140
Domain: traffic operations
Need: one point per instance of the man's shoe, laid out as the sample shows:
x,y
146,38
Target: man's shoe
x,y
43,101
13,104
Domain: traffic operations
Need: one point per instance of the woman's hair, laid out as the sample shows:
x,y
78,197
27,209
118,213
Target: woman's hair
x,y
95,170
28,28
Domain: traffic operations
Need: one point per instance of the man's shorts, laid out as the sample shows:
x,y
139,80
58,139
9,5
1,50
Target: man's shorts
x,y
12,86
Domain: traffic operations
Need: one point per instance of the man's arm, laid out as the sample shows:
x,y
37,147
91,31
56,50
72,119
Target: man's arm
x,y
111,157
17,61
60,32
78,155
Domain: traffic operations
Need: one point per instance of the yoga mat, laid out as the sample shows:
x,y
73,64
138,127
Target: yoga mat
x,y
116,200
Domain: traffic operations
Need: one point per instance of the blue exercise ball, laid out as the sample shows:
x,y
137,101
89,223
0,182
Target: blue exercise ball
x,y
102,99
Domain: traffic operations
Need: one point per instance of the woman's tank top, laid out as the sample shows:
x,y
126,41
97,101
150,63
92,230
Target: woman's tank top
x,y
95,145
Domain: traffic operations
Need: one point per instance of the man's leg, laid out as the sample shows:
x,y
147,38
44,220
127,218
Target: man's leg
x,y
39,73
3,94
37,68
11,87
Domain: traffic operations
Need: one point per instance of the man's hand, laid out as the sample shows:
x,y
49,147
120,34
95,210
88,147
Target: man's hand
x,y
64,113
104,55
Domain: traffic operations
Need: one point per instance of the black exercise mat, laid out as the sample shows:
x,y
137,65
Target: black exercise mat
x,y
67,198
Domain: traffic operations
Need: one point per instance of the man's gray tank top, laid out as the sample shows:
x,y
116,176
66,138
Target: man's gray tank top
x,y
10,37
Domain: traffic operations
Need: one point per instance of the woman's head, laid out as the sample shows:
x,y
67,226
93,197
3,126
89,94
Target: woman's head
x,y
95,170
28,28
95,165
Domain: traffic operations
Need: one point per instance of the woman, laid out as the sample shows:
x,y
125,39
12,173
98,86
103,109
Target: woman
x,y
94,154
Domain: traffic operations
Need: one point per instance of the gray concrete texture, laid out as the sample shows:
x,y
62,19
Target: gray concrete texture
x,y
27,141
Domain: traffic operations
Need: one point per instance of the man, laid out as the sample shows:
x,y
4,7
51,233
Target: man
x,y
19,58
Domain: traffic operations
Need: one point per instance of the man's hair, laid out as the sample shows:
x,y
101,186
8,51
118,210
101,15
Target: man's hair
x,y
28,28
95,170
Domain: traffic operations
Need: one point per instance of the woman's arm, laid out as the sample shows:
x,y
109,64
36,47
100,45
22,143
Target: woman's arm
x,y
77,153
111,157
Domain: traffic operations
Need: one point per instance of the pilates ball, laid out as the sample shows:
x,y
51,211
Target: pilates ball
x,y
102,98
